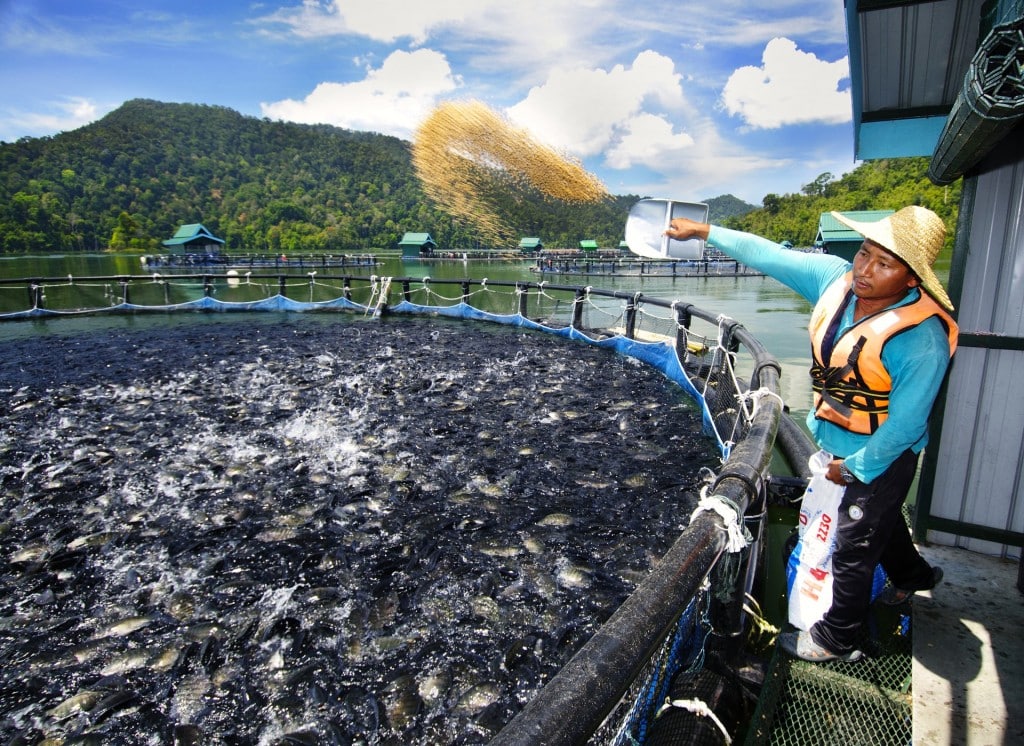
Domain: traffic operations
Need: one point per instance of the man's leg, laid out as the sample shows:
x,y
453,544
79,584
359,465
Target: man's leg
x,y
867,519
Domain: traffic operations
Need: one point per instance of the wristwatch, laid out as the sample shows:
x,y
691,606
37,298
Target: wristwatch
x,y
845,474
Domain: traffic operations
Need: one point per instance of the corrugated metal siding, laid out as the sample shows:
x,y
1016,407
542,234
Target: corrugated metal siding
x,y
979,476
914,38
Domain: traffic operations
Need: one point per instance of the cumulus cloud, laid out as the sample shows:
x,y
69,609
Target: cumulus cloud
x,y
647,140
65,115
790,87
587,111
391,99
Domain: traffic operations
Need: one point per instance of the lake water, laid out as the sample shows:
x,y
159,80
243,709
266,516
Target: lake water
x,y
772,312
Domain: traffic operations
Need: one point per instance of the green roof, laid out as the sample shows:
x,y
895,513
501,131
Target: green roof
x,y
416,239
530,243
192,233
588,244
831,230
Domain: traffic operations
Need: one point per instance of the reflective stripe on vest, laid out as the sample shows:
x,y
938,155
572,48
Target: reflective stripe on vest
x,y
851,388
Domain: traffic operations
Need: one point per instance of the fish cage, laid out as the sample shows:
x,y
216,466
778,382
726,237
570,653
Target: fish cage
x,y
689,617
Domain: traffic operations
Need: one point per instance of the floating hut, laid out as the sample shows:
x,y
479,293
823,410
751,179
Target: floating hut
x,y
193,238
531,245
417,244
836,238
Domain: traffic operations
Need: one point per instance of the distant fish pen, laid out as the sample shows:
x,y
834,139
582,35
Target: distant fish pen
x,y
691,607
636,267
278,261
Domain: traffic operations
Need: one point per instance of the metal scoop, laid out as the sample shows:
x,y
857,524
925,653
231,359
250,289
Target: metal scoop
x,y
646,224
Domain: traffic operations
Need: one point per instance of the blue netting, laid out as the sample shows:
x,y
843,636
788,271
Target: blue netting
x,y
274,303
683,651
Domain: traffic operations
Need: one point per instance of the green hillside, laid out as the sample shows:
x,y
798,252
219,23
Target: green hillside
x,y
130,179
877,185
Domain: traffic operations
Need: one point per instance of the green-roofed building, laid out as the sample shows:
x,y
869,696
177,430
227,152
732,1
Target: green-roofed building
x,y
193,239
836,238
530,245
588,244
417,245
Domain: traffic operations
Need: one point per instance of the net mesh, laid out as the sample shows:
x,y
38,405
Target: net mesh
x,y
850,704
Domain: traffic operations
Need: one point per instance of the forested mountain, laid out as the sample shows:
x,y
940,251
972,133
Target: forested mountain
x,y
130,179
727,206
876,185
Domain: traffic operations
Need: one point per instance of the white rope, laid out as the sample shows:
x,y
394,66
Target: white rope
x,y
383,297
736,539
697,707
756,397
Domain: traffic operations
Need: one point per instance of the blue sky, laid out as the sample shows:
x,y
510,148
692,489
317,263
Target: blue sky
x,y
680,99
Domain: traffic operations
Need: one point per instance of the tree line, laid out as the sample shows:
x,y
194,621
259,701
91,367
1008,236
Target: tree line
x,y
128,180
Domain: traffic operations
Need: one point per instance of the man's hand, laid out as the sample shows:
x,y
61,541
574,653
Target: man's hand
x,y
836,473
684,228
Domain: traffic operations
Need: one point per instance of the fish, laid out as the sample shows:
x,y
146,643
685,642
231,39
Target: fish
x,y
321,529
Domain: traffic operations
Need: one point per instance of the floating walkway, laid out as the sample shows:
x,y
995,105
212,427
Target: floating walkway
x,y
643,268
945,668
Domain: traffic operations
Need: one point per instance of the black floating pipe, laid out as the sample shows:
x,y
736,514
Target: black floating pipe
x,y
990,104
572,704
576,701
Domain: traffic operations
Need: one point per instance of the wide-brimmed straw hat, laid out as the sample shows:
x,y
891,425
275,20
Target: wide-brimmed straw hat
x,y
914,234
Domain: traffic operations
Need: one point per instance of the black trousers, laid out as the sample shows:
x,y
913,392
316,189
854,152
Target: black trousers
x,y
870,529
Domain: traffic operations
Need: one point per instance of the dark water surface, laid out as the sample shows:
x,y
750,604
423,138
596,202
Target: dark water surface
x,y
320,528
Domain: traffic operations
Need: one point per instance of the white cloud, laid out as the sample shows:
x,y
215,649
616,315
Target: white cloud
x,y
380,20
648,140
392,99
64,116
584,112
790,87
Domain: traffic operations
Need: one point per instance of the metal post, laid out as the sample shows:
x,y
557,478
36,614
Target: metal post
x,y
124,291
683,320
282,288
406,293
631,307
521,291
347,288
577,308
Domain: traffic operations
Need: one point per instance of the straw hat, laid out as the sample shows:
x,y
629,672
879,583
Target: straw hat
x,y
915,235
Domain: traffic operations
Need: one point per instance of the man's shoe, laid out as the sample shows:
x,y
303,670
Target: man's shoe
x,y
893,596
801,645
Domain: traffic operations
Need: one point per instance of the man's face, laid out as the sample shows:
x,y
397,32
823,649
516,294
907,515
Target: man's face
x,y
879,276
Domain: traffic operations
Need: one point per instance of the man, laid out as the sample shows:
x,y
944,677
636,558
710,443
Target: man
x,y
881,340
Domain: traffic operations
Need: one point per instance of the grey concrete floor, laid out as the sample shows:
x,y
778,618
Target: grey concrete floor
x,y
968,667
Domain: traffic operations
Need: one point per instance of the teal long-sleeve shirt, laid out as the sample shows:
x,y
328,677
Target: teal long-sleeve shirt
x,y
916,360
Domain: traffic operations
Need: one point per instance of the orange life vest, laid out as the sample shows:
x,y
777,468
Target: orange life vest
x,y
851,388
